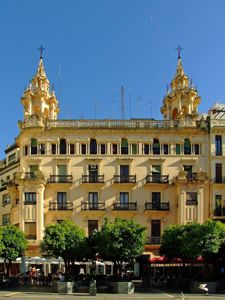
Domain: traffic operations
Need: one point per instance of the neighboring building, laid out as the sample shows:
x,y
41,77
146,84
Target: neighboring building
x,y
154,171
217,152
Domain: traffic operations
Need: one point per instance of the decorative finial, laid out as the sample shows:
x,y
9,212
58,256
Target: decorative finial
x,y
41,49
179,49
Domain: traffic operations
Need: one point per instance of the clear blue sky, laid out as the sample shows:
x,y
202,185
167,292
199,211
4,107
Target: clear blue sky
x,y
104,44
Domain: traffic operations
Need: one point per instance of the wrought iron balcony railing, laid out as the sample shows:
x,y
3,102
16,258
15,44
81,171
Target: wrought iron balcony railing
x,y
153,240
92,206
92,178
124,178
219,179
125,206
157,178
60,179
60,206
157,206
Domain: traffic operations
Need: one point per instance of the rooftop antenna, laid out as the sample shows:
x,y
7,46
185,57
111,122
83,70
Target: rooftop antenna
x,y
122,102
59,82
113,108
130,105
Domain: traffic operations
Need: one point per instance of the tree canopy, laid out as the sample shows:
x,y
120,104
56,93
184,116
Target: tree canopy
x,y
12,244
64,240
192,240
120,241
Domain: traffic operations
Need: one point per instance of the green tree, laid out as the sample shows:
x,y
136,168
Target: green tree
x,y
192,240
65,240
121,241
13,243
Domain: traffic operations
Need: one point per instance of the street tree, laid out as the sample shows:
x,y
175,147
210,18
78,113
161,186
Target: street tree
x,y
13,245
120,241
65,240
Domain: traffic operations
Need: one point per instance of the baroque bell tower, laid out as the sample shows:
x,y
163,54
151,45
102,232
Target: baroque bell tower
x,y
38,101
182,100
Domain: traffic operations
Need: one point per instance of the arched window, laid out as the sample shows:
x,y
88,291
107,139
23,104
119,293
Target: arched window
x,y
93,146
187,146
124,146
62,146
174,113
156,146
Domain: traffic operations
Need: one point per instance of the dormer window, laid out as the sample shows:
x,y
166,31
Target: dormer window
x,y
124,146
33,146
156,146
187,146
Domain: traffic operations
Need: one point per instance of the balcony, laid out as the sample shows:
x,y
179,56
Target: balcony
x,y
125,179
60,206
157,206
92,210
219,180
219,212
160,209
157,178
153,240
125,206
60,179
92,206
93,180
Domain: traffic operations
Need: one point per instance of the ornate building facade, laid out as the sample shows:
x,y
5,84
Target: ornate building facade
x,y
157,172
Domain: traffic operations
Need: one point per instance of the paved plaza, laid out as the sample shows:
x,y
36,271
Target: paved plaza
x,y
19,294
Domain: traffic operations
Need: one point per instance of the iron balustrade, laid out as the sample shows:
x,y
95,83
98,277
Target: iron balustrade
x,y
92,206
29,175
92,178
60,206
157,178
60,179
219,211
153,240
157,206
219,179
125,206
124,178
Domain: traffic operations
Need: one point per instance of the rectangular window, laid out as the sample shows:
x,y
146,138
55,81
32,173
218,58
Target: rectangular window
x,y
25,150
61,200
156,199
197,149
33,169
30,230
53,148
219,210
103,149
33,146
191,198
6,199
30,198
124,200
114,148
218,172
93,200
177,148
165,148
83,149
218,142
42,149
146,148
134,149
12,157
155,230
72,148
5,219
156,173
92,226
